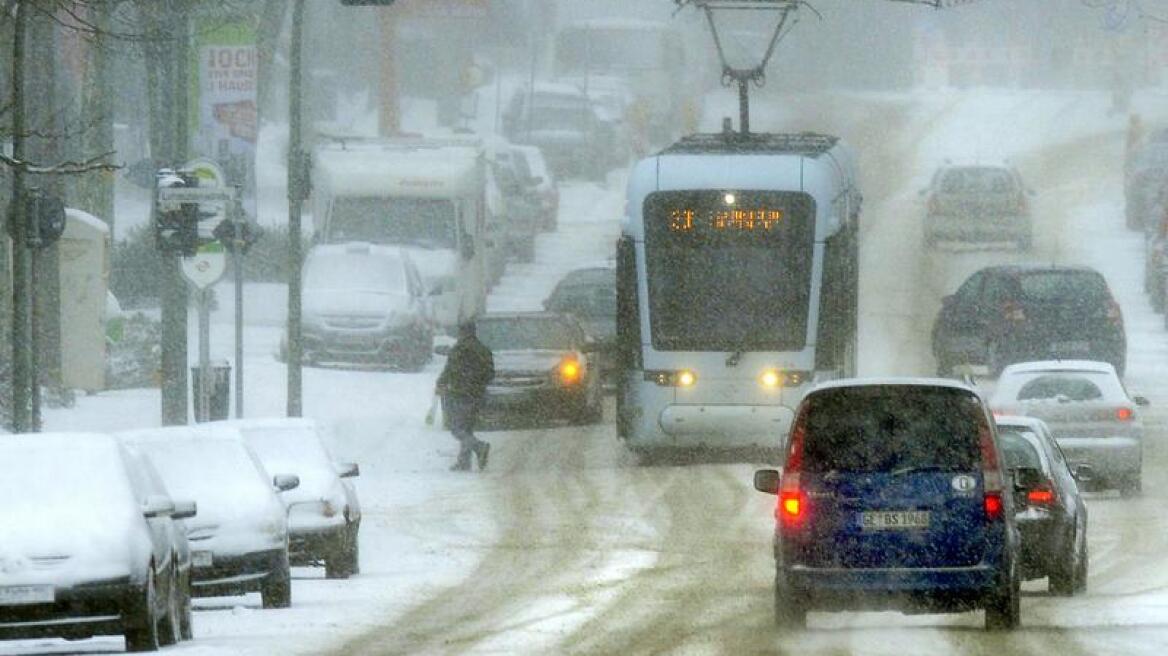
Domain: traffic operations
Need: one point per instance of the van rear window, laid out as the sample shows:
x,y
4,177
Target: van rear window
x,y
891,428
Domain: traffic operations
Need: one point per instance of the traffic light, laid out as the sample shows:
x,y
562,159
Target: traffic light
x,y
176,232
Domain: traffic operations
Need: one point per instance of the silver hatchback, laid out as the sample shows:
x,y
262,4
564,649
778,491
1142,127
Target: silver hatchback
x,y
1093,418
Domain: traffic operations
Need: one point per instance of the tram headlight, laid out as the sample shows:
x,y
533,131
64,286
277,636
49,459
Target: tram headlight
x,y
686,378
770,379
681,378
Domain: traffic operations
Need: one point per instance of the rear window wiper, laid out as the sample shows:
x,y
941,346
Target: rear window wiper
x,y
920,469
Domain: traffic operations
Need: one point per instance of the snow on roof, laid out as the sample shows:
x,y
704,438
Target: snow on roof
x,y
1018,420
387,170
1054,366
268,422
87,219
214,431
894,381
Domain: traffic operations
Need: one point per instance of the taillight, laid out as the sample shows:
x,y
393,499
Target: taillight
x,y
791,511
1114,314
991,472
1013,311
1124,414
1041,496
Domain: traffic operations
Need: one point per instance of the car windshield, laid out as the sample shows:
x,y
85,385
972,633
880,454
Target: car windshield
x,y
1055,386
586,300
1017,450
354,271
527,334
889,429
1073,287
977,180
293,451
213,472
422,222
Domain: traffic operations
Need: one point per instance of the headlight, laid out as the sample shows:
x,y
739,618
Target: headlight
x,y
569,371
682,378
770,378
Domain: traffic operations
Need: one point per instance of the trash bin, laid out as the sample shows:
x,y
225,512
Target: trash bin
x,y
220,400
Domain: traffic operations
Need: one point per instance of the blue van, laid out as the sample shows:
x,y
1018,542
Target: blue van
x,y
893,496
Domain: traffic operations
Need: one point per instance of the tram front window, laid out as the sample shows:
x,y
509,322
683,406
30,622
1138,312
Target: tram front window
x,y
729,270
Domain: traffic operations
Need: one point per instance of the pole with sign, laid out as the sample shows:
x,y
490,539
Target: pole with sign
x,y
204,269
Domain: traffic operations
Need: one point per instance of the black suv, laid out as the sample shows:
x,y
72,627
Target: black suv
x,y
1006,314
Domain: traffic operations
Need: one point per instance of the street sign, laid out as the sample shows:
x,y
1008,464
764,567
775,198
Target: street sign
x,y
206,266
171,197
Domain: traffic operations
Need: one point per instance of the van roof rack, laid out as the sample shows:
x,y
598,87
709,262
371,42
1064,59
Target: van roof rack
x,y
804,143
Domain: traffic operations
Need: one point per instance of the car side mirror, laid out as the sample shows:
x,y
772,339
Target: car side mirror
x,y
442,349
1142,401
348,470
184,510
285,482
157,505
1083,472
766,480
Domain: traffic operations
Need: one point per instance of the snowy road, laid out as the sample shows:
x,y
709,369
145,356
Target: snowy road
x,y
566,546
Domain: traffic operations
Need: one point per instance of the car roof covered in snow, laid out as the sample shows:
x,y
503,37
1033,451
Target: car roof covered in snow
x,y
906,381
426,168
1033,423
1060,366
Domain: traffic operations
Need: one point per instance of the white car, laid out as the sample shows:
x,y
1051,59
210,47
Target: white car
x,y
1090,413
239,540
324,514
86,545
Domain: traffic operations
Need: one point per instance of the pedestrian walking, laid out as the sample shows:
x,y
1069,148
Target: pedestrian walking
x,y
462,386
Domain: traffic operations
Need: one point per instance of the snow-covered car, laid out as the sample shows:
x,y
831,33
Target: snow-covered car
x,y
978,203
1050,511
1090,413
239,539
324,514
561,120
545,367
531,158
86,544
365,304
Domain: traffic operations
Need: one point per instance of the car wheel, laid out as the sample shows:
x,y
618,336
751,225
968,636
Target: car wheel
x,y
1003,610
276,591
1061,578
341,561
141,631
172,624
789,612
186,625
1081,569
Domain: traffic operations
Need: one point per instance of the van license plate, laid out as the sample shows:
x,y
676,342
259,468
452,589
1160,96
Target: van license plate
x,y
894,519
16,595
201,558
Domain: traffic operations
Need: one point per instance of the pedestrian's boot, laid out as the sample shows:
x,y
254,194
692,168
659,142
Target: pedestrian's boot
x,y
482,452
462,464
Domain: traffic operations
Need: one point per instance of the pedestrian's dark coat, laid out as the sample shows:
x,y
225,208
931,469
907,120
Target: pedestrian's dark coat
x,y
469,367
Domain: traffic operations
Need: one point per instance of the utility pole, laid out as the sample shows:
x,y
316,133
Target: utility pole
x,y
297,192
173,114
21,327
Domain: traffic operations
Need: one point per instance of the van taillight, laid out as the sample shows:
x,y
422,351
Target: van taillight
x,y
1124,414
991,472
791,511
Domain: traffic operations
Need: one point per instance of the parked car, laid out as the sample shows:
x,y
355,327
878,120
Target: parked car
x,y
86,544
324,515
532,160
544,368
1052,516
589,294
521,203
978,204
1006,314
561,120
893,495
1090,413
365,304
239,540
